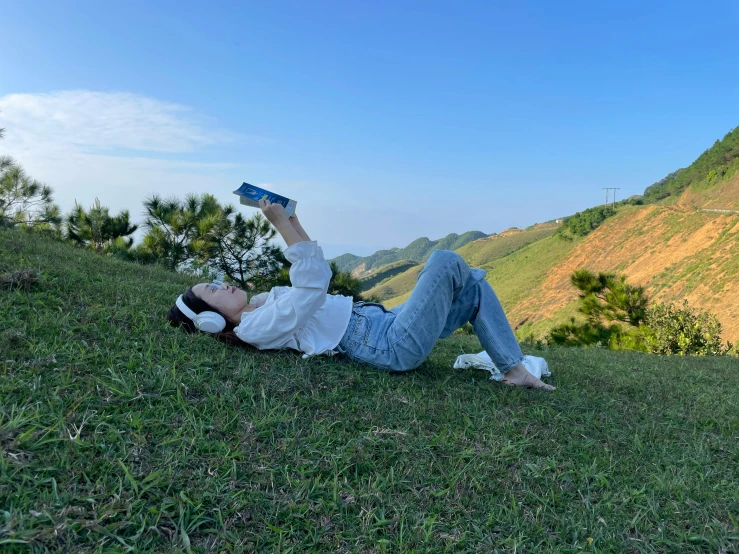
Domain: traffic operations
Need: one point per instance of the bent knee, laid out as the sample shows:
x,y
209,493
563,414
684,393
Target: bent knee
x,y
445,257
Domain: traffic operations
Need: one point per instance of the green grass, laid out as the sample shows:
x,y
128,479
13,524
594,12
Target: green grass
x,y
120,434
382,274
396,287
515,276
478,253
482,252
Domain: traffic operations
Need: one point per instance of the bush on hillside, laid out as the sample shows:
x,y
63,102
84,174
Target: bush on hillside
x,y
604,299
179,230
584,334
605,296
608,302
672,329
583,223
343,283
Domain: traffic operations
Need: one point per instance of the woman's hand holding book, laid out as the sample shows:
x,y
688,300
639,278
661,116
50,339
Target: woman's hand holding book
x,y
277,216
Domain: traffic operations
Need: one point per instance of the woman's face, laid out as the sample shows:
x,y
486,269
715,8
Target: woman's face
x,y
227,299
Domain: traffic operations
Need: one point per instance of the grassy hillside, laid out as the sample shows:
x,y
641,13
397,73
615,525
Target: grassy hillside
x,y
419,251
723,195
715,165
396,287
121,434
485,250
480,253
675,252
517,276
386,272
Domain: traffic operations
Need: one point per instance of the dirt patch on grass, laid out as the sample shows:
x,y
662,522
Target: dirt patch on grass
x,y
23,279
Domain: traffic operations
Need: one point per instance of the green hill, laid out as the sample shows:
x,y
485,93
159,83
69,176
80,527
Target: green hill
x,y
716,164
418,251
682,247
675,252
121,434
478,253
386,272
398,286
485,250
345,260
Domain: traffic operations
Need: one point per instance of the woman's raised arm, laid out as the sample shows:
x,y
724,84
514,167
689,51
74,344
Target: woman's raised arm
x,y
277,216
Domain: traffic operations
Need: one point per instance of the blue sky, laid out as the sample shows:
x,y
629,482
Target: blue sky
x,y
385,120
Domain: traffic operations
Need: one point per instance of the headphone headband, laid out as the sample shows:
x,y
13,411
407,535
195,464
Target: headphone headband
x,y
208,322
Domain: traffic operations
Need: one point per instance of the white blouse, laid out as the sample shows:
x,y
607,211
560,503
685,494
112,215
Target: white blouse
x,y
302,317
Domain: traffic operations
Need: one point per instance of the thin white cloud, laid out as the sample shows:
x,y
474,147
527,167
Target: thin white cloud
x,y
94,121
95,144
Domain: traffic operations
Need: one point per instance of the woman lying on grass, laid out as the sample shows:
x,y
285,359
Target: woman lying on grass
x,y
304,317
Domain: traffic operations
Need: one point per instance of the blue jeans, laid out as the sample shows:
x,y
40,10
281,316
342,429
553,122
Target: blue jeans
x,y
448,294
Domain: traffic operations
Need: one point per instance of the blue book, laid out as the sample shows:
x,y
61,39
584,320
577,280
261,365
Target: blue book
x,y
250,195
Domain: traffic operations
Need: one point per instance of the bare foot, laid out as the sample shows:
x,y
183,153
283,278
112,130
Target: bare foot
x,y
518,376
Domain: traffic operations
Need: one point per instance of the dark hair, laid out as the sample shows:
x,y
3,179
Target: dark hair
x,y
178,319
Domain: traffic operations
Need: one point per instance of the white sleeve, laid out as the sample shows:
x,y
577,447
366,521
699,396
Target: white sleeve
x,y
270,325
259,299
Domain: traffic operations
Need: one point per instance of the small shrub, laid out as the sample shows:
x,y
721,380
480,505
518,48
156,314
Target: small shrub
x,y
584,334
583,223
530,340
672,329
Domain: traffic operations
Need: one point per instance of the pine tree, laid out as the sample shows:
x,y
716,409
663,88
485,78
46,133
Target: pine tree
x,y
98,230
179,229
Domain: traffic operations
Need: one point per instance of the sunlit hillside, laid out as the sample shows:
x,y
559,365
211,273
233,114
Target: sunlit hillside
x,y
683,246
418,251
485,250
676,252
383,274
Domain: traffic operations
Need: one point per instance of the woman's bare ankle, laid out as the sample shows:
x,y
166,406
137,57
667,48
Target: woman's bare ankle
x,y
519,376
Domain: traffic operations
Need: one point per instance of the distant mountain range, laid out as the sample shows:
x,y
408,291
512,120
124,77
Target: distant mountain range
x,y
417,251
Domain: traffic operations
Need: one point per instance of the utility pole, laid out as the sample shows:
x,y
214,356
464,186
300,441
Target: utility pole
x,y
614,189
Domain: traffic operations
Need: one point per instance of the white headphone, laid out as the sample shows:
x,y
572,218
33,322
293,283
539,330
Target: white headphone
x,y
208,322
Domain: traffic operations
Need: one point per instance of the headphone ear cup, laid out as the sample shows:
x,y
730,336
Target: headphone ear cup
x,y
210,322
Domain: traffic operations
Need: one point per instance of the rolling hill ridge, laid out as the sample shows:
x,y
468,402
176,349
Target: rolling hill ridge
x,y
417,251
673,241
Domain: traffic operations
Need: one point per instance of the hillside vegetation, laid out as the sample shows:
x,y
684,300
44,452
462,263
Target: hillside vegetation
x,y
418,251
382,274
478,253
674,248
485,250
395,288
718,163
121,434
675,252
